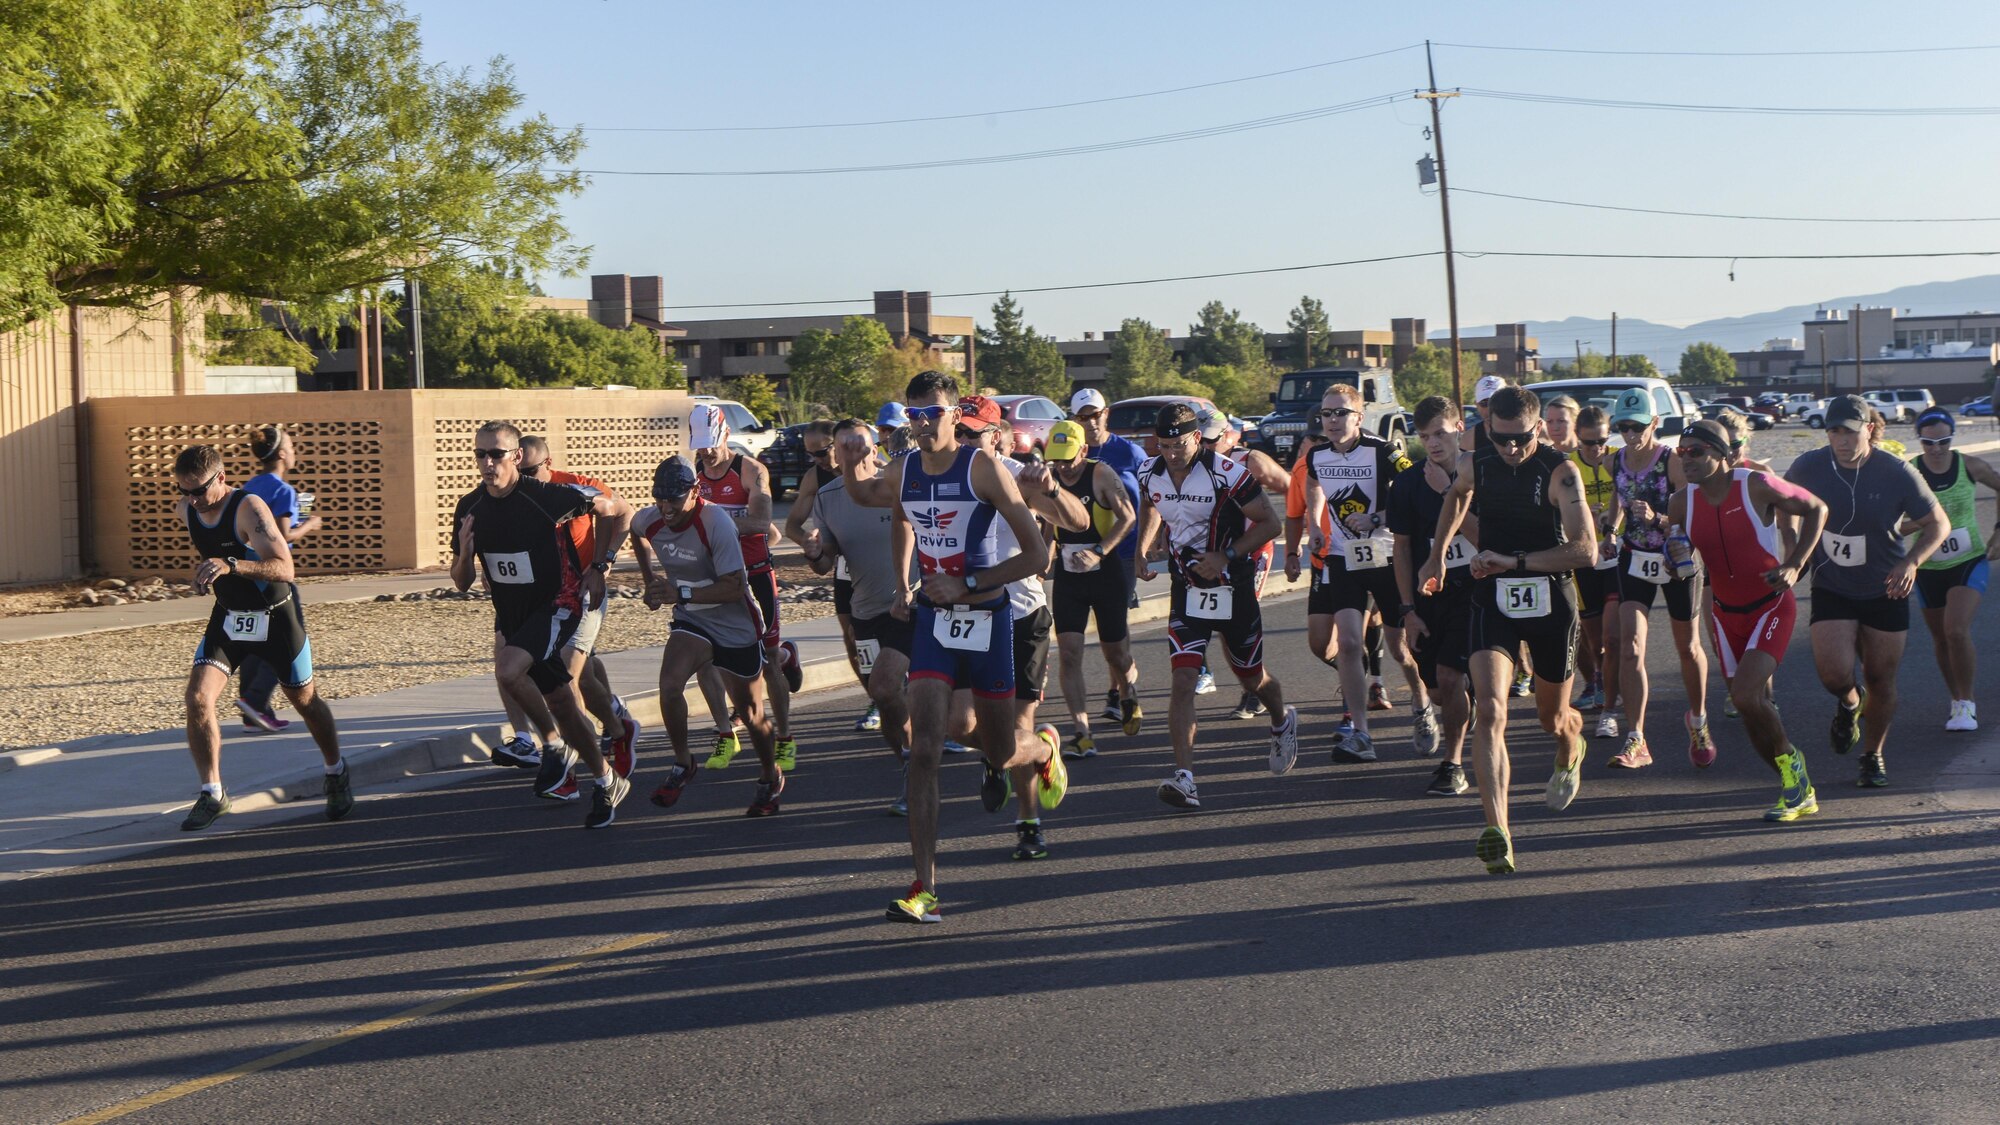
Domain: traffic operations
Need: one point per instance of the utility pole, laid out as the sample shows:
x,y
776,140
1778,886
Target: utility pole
x,y
1857,348
1444,204
413,298
1614,345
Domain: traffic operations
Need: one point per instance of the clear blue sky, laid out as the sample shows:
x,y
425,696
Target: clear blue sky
x,y
1335,188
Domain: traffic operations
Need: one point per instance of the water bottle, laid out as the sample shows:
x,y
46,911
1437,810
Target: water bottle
x,y
1680,551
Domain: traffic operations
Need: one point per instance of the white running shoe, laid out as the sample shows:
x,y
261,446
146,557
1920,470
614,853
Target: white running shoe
x,y
1204,684
1964,715
1427,736
1178,791
1607,725
1285,743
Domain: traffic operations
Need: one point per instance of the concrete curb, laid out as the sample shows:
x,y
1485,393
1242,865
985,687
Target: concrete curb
x,y
17,758
473,745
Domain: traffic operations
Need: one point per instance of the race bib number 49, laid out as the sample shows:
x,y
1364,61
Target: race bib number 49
x,y
1650,566
514,569
1211,604
248,626
1523,597
1845,550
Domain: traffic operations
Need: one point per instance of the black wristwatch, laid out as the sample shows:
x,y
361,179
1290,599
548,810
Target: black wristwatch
x,y
1520,560
1404,610
971,581
601,566
231,563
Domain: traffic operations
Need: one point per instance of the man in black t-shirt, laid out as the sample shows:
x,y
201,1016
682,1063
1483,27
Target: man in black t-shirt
x,y
513,525
1437,625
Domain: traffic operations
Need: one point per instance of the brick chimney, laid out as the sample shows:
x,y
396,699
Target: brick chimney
x,y
920,313
649,298
892,308
611,299
1406,334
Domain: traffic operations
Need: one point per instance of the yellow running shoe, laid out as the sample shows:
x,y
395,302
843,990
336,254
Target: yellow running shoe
x,y
1496,850
1053,773
920,907
726,748
1130,715
788,754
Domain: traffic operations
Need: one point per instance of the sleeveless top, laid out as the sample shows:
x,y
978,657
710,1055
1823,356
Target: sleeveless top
x,y
1512,502
220,542
1955,493
953,528
1600,486
1737,545
1654,487
729,493
1025,595
1085,489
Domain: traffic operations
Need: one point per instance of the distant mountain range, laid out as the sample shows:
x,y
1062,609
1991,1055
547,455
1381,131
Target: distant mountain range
x,y
1664,343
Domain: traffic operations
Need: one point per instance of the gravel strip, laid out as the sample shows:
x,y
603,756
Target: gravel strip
x,y
131,682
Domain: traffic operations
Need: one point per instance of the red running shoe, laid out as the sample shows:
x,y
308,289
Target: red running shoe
x,y
678,778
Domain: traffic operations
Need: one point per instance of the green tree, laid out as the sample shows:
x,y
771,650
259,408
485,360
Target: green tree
x,y
1014,360
1707,364
293,150
1312,343
756,394
1140,357
838,370
1237,391
473,339
1170,382
247,338
1427,372
1221,337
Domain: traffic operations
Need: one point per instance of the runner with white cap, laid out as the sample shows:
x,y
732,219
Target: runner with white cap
x,y
1088,409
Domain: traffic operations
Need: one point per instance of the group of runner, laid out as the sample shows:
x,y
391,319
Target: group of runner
x,y
1528,547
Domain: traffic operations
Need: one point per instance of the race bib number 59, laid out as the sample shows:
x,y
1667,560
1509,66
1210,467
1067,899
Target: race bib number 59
x,y
249,626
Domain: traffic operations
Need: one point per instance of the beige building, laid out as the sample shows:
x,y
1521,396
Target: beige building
x,y
1952,356
1510,351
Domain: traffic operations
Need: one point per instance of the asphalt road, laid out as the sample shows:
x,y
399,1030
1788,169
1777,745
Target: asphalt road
x,y
1321,947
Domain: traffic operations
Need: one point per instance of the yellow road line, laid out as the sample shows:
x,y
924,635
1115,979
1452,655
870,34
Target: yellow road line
x,y
386,1023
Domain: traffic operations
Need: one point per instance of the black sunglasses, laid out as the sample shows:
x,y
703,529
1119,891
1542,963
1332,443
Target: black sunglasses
x,y
821,453
1336,412
204,487
493,454
534,470
1594,441
1632,427
1516,440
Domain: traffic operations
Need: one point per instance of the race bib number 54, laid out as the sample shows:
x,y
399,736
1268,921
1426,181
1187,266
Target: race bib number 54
x,y
1523,597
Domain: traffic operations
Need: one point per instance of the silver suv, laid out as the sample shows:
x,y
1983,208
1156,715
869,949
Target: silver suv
x,y
1901,406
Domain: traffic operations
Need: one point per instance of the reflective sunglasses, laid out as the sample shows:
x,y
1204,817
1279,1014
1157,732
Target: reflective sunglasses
x,y
1515,440
203,487
1936,442
821,453
1696,451
493,454
928,415
1337,412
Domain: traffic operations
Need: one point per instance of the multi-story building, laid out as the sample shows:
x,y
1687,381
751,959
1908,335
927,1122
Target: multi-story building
x,y
1510,351
1952,356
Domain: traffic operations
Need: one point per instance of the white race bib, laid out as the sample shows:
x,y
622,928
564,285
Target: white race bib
x,y
513,570
1959,542
840,570
967,630
249,626
1459,553
1523,597
1845,550
1216,603
866,652
1650,566
1368,552
1070,551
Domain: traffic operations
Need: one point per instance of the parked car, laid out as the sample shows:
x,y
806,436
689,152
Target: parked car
x,y
1758,420
1032,417
1796,405
1298,397
1133,418
1247,429
1900,405
1981,407
786,460
745,431
1675,409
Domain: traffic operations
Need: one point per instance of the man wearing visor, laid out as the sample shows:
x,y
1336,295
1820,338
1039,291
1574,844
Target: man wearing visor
x,y
1863,573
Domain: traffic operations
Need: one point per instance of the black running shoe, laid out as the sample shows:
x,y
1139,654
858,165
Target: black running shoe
x,y
1448,781
206,809
340,793
1028,841
1846,732
1873,775
1112,713
604,802
993,788
554,772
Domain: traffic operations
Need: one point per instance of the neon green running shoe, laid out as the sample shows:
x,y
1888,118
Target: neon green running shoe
x,y
1053,776
920,907
1495,850
788,754
727,746
1795,797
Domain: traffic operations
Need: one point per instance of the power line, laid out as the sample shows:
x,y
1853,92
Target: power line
x,y
1725,54
1689,107
1716,214
993,112
1012,157
1729,257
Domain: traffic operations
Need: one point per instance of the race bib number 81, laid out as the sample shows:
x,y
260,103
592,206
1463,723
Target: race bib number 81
x,y
514,569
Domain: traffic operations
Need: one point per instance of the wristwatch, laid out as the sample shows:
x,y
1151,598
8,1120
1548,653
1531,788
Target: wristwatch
x,y
1404,610
601,566
1229,553
1520,560
231,563
971,581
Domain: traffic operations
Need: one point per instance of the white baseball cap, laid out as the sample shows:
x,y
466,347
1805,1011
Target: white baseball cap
x,y
1089,398
1483,390
706,425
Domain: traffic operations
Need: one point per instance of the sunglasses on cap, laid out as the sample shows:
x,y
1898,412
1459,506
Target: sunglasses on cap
x,y
1514,439
203,487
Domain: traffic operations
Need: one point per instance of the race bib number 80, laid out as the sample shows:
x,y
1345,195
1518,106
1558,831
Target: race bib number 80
x,y
1957,543
514,569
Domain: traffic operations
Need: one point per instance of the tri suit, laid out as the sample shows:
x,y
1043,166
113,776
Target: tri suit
x,y
968,645
1516,607
251,618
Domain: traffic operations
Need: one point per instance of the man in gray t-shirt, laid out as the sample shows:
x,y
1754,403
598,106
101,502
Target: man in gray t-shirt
x,y
864,537
1862,573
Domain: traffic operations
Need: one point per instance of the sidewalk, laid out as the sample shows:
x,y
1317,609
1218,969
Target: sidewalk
x,y
91,800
